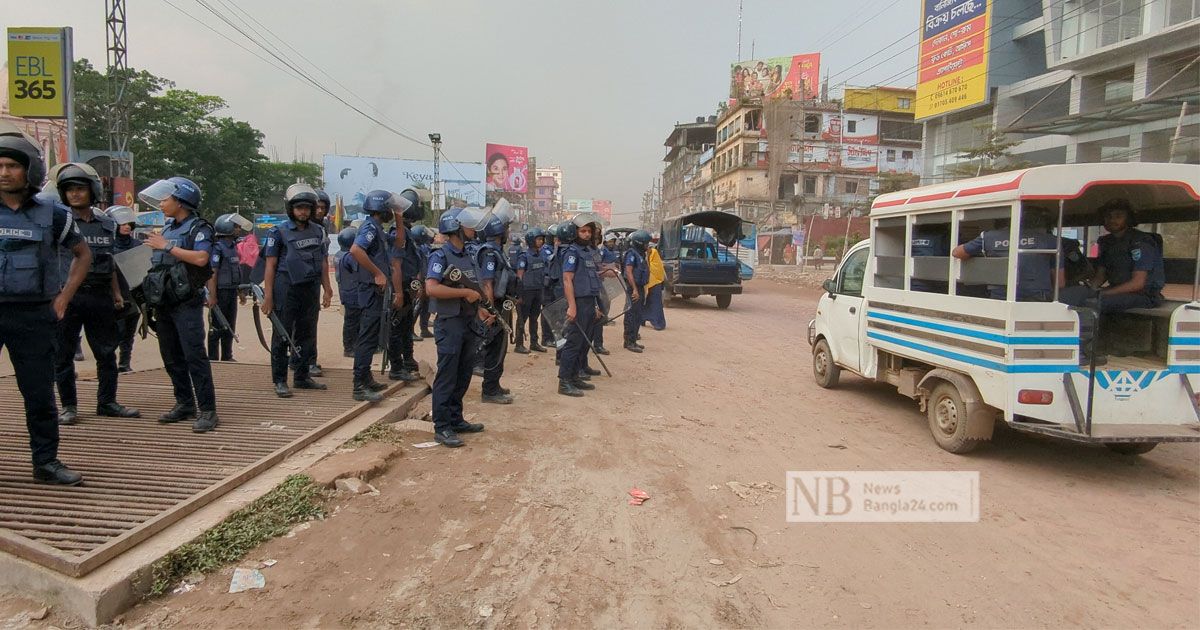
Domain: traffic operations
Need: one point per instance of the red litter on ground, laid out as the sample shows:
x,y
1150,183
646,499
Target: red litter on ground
x,y
639,496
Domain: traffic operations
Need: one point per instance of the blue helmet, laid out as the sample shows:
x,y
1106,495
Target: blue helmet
x,y
323,196
419,197
421,235
346,237
224,225
565,232
471,217
448,223
186,191
378,202
495,228
533,235
640,240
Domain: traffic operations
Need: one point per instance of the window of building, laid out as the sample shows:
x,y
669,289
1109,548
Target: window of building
x,y
810,185
904,103
850,186
891,155
899,130
812,123
851,126
1182,10
906,155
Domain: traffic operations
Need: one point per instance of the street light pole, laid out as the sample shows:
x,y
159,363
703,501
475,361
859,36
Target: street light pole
x,y
436,139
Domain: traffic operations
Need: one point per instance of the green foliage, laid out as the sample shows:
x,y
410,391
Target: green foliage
x,y
378,432
178,132
294,501
992,155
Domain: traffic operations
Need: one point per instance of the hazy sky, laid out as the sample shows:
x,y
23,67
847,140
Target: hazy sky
x,y
594,87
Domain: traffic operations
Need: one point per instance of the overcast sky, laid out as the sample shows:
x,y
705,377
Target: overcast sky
x,y
594,87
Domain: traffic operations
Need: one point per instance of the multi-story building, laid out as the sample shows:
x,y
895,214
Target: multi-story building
x,y
686,145
544,192
555,172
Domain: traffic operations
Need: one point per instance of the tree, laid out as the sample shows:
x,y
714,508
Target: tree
x,y
992,155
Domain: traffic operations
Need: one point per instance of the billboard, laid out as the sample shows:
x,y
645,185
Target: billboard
x,y
39,81
603,208
507,168
952,70
351,177
850,128
791,78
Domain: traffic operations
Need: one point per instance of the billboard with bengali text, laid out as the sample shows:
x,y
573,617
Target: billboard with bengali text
x,y
791,78
507,168
353,176
953,65
603,208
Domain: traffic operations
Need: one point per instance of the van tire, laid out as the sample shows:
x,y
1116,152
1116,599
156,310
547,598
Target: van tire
x,y
949,418
825,371
723,301
1131,448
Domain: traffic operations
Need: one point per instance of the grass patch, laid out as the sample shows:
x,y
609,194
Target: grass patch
x,y
378,432
294,501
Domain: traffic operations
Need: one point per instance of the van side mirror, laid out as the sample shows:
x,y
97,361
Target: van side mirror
x,y
829,286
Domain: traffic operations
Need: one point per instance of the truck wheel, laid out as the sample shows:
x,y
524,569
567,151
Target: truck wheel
x,y
1132,448
948,419
825,371
685,296
723,301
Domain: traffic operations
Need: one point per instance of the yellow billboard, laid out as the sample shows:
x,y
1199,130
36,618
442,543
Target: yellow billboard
x,y
952,72
39,62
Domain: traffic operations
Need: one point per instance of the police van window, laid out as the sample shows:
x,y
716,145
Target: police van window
x,y
889,242
929,249
850,281
985,273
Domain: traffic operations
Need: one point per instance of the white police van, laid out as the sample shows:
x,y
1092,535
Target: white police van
x,y
925,323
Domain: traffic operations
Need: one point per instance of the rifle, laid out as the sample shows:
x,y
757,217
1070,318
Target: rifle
x,y
222,322
385,326
257,295
456,278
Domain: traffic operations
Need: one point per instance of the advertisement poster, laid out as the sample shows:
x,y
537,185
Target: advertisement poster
x,y
351,177
850,128
603,209
791,78
953,67
507,168
39,81
579,205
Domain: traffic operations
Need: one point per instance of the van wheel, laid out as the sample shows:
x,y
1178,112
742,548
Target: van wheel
x,y
825,371
948,419
1131,448
723,301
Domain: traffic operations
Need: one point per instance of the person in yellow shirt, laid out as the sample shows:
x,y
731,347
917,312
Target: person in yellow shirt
x,y
652,312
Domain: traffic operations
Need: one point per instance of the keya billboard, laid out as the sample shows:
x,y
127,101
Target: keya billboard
x,y
790,78
352,176
952,72
507,168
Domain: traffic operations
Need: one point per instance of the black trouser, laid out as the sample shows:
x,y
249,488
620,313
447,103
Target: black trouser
x,y
633,315
180,331
28,331
597,331
400,342
367,339
547,298
456,345
574,353
350,317
227,302
529,311
127,327
423,314
297,309
494,349
92,311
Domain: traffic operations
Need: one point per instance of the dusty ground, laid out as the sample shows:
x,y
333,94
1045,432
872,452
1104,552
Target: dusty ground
x,y
1069,536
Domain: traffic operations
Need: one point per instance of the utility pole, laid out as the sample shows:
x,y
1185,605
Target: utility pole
x,y
739,54
436,139
120,162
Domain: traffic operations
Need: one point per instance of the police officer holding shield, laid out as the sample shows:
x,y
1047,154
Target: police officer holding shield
x,y
498,281
405,263
183,249
374,268
297,275
94,307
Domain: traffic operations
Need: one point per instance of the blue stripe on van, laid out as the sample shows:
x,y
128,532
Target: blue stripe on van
x,y
1181,341
967,332
1027,368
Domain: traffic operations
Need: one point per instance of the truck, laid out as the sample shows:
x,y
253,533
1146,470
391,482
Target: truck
x,y
688,246
924,323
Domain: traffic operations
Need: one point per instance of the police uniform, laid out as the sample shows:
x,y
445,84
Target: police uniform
x,y
127,319
551,284
579,260
422,315
604,256
296,293
1036,275
227,269
493,266
346,272
456,332
400,341
371,239
180,327
92,311
635,263
31,238
533,264
1120,257
929,243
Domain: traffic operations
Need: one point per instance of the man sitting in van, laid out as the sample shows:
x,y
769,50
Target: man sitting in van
x,y
1036,274
1129,271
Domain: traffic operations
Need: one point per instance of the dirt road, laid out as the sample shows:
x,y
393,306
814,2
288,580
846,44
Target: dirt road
x,y
1069,536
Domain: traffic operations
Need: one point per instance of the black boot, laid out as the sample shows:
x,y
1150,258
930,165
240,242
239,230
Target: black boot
x,y
308,383
315,370
364,393
590,371
467,427
633,347
426,333
282,391
402,374
205,422
584,385
56,472
68,415
374,385
117,410
534,347
601,350
178,412
521,349
448,438
567,388
498,398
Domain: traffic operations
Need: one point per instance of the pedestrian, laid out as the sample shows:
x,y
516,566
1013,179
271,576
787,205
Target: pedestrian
x,y
224,288
818,257
180,269
346,272
370,253
423,237
637,274
405,261
581,288
459,322
34,295
128,317
531,269
654,314
296,287
93,309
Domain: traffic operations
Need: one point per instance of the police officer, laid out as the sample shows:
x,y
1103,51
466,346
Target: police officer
x,y
347,273
637,274
581,288
223,288
370,252
929,240
1129,271
609,259
405,267
94,307
498,281
423,237
531,268
33,294
185,244
458,325
1036,274
127,318
551,281
321,213
296,273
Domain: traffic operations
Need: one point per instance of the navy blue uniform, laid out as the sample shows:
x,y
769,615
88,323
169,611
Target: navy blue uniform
x,y
1120,257
400,342
31,237
346,272
930,243
372,240
580,261
551,284
180,327
1036,274
635,263
93,312
532,264
422,315
611,259
456,332
227,269
494,267
127,320
296,293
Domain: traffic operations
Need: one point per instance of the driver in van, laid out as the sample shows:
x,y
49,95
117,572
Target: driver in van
x,y
1129,271
1035,272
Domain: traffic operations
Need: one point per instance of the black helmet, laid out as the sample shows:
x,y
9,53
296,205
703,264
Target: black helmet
x,y
19,147
346,237
565,232
640,240
533,235
419,197
324,196
224,225
421,235
78,173
297,194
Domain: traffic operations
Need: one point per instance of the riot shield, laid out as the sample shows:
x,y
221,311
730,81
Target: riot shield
x,y
555,314
134,263
614,288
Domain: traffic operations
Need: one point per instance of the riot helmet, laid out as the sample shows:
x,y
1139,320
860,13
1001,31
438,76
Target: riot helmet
x,y
384,202
472,218
323,197
640,239
419,198
224,225
346,237
17,146
565,232
495,228
122,215
1119,205
421,235
78,173
182,189
533,235
298,194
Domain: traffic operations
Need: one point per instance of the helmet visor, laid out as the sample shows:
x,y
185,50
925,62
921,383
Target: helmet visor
x,y
584,218
154,194
474,218
399,203
503,211
242,222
